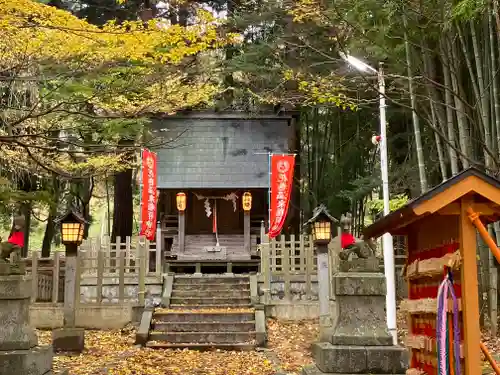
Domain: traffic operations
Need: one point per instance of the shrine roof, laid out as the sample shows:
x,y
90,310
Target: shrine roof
x,y
485,188
214,150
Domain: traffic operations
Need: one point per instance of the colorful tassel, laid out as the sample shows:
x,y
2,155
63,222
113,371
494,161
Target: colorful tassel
x,y
445,336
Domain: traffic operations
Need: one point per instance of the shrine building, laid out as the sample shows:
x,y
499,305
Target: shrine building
x,y
213,182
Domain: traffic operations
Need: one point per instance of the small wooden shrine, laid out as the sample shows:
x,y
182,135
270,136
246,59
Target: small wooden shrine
x,y
213,160
443,310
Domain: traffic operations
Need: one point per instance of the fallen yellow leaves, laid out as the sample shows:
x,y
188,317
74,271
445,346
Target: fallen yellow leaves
x,y
113,353
291,342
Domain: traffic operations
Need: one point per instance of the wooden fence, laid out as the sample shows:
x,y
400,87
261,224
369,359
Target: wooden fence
x,y
293,259
287,259
100,263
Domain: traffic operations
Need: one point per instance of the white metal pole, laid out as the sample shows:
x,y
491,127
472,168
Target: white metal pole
x,y
387,244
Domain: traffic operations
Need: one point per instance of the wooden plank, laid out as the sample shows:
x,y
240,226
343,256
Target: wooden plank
x,y
292,257
266,265
470,298
114,253
285,264
144,243
100,272
121,277
158,253
34,276
308,269
142,272
128,253
56,267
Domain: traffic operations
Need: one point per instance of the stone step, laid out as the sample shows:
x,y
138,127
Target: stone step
x,y
201,346
212,279
201,326
214,292
193,307
195,301
203,337
221,317
177,287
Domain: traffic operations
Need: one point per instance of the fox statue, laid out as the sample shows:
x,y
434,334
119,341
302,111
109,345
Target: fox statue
x,y
15,242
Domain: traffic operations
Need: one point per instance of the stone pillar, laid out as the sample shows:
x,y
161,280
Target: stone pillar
x,y
70,338
325,321
19,350
360,343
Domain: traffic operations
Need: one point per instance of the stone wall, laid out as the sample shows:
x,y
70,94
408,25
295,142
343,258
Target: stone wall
x,y
50,316
298,291
110,291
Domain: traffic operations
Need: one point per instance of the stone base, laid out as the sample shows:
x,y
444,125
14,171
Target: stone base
x,y
361,336
314,370
68,340
35,361
343,359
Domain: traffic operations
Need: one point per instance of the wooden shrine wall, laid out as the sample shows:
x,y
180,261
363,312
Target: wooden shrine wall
x,y
433,242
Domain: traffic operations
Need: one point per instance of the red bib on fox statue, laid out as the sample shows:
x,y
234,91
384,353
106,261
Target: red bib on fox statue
x,y
347,239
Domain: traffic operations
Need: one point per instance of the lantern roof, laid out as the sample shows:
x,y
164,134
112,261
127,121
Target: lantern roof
x,y
318,212
71,216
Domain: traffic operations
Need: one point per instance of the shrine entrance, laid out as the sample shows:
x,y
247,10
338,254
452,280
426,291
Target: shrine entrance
x,y
221,206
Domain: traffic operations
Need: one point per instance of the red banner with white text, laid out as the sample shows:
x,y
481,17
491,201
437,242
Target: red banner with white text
x,y
281,188
149,195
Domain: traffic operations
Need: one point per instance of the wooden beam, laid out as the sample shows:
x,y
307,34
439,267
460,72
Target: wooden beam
x,y
483,209
470,298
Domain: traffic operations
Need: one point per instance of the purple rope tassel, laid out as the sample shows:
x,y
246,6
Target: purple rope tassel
x,y
456,329
439,327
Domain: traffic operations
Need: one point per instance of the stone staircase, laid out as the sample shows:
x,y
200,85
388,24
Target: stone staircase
x,y
205,312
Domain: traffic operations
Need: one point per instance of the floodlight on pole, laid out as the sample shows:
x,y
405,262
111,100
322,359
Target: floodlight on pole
x,y
387,244
357,63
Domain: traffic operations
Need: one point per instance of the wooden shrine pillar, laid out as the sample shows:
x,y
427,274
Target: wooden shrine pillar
x,y
470,297
246,232
246,203
181,202
182,231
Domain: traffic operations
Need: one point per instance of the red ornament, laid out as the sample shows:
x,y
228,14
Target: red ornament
x,y
376,139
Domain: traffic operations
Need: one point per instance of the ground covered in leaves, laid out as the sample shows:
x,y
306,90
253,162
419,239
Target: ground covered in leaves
x,y
114,353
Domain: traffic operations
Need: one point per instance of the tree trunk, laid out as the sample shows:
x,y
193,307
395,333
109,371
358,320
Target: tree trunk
x,y
463,131
483,95
50,228
123,214
415,119
448,99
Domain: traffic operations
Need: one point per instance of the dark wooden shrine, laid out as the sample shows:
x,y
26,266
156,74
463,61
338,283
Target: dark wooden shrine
x,y
214,158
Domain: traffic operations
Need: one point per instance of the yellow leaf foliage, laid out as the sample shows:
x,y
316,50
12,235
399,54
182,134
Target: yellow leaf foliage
x,y
58,65
40,32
